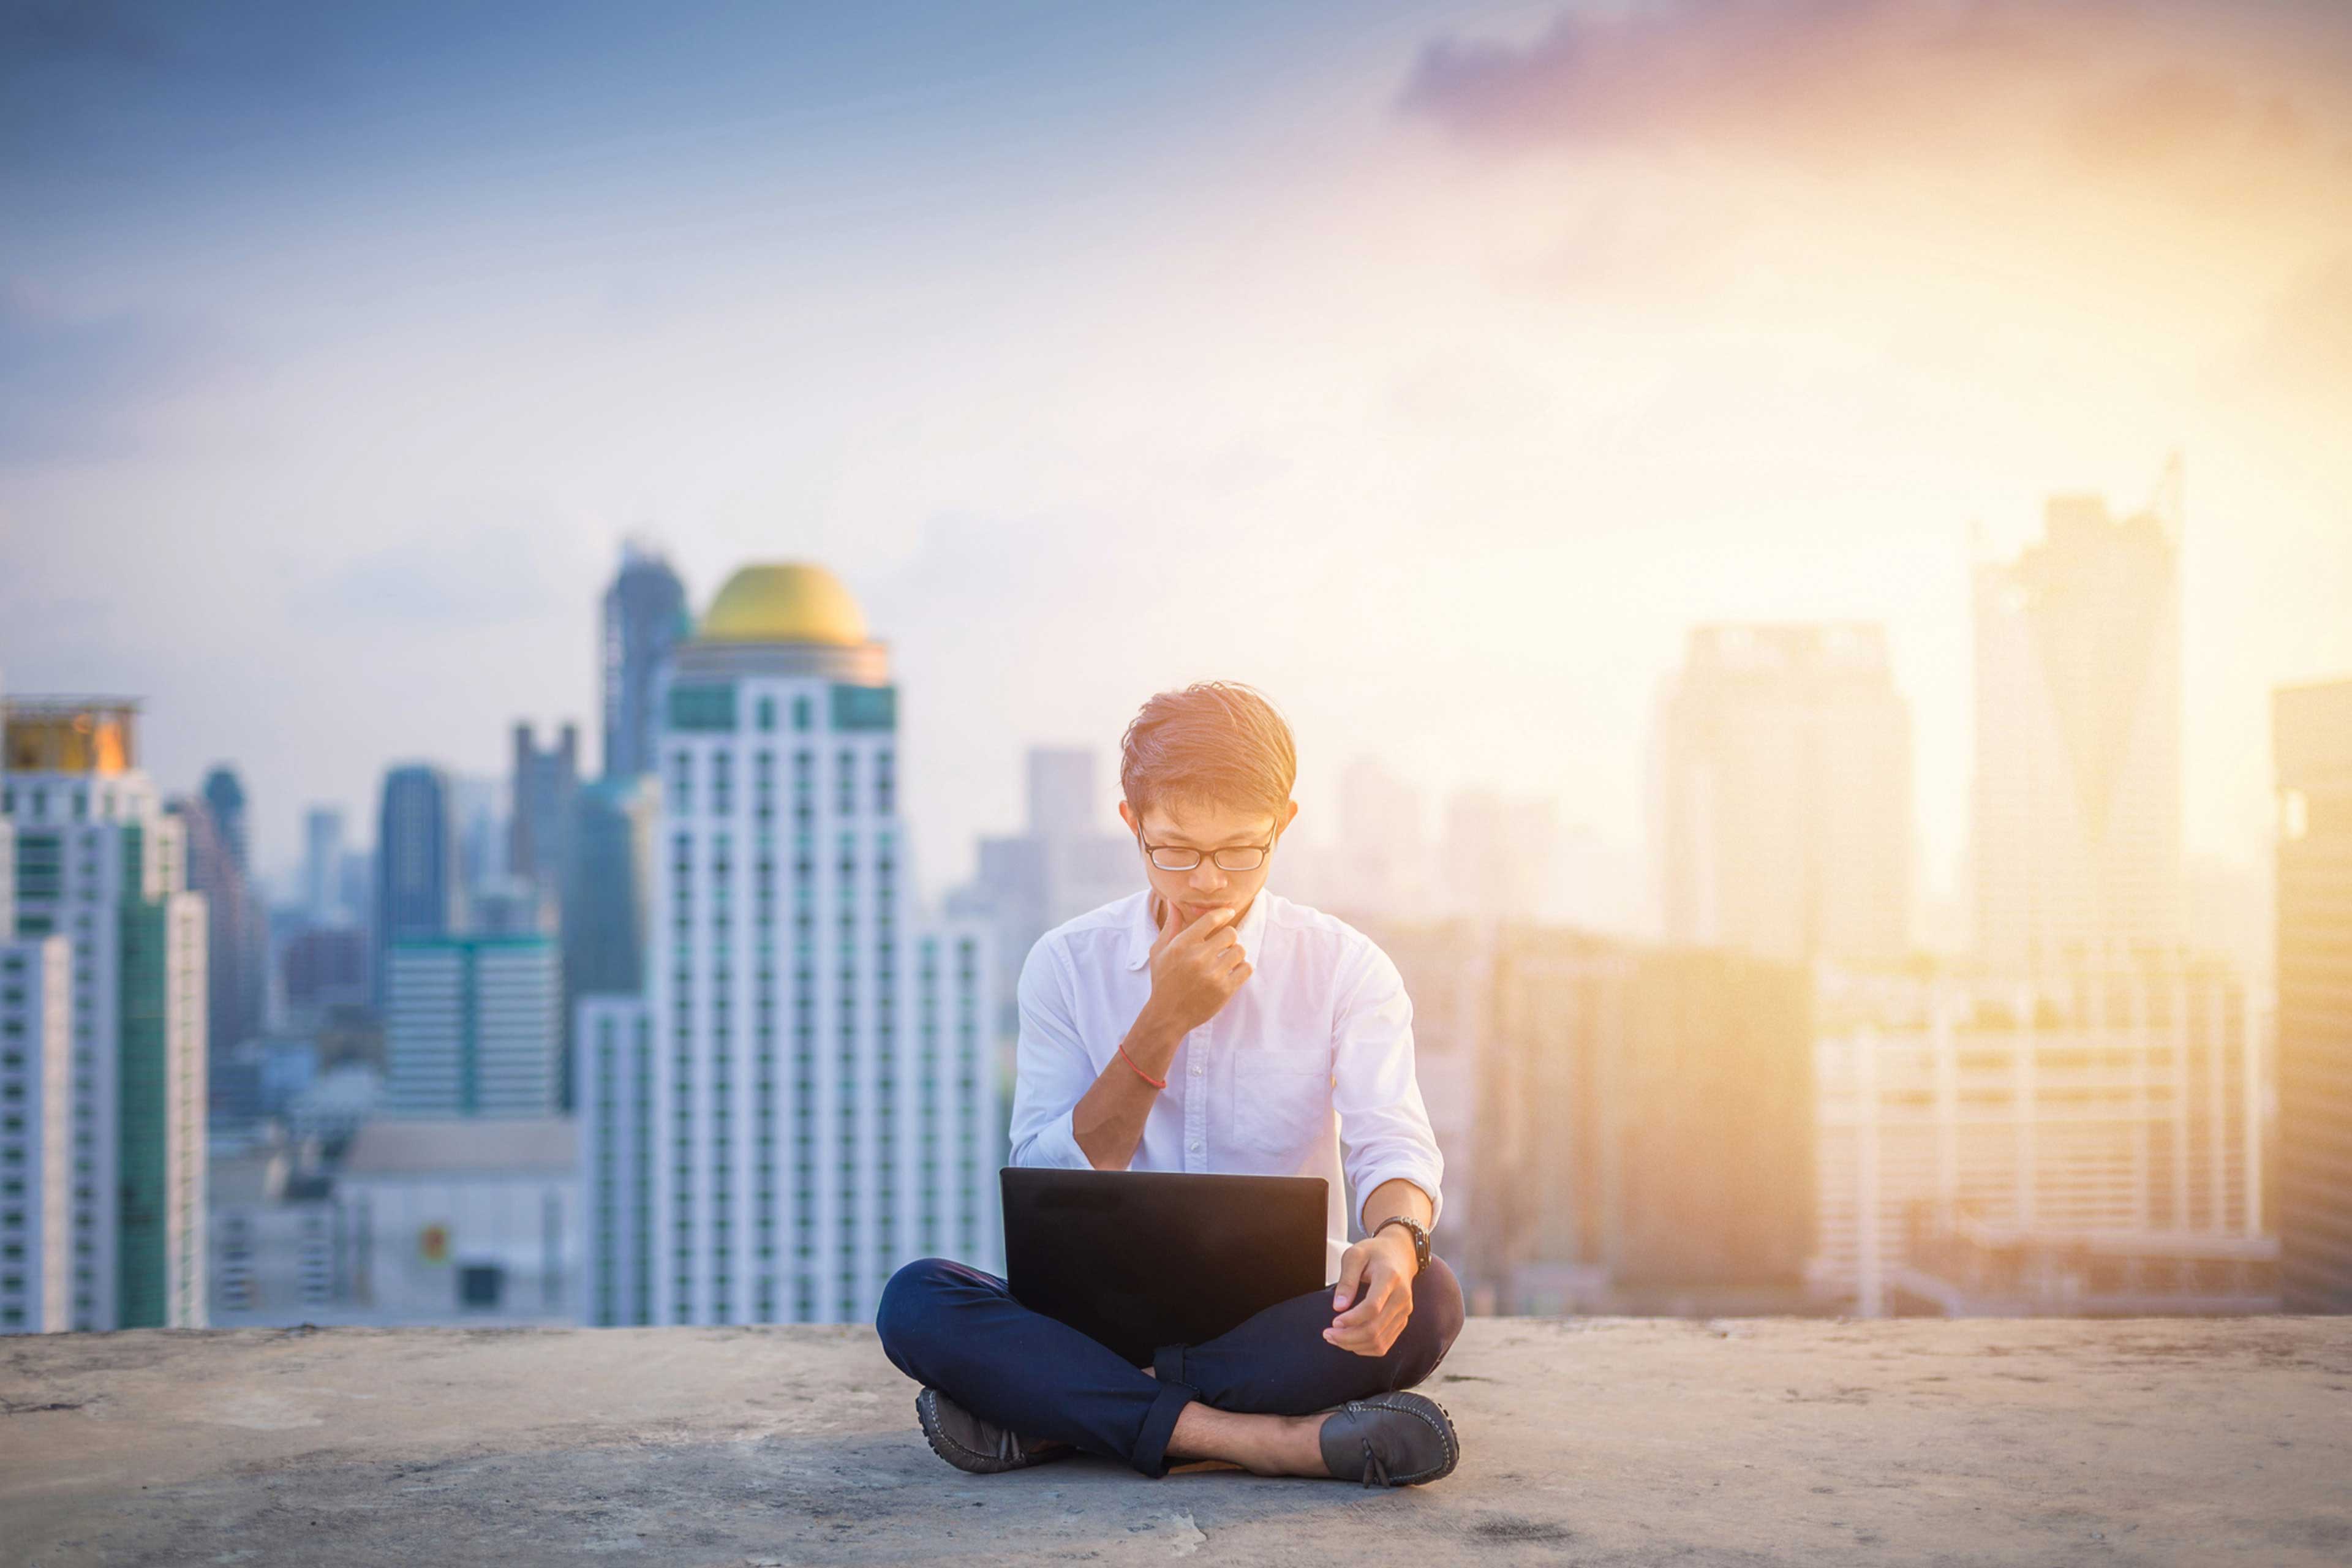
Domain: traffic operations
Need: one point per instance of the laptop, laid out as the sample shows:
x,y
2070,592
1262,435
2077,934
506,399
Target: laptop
x,y
1138,1259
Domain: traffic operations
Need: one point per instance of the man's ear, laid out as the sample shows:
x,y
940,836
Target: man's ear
x,y
1289,812
1127,814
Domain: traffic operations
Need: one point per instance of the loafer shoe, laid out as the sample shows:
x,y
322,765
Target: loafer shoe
x,y
1390,1440
969,1443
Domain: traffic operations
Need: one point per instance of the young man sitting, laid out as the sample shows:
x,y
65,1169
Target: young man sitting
x,y
1205,1025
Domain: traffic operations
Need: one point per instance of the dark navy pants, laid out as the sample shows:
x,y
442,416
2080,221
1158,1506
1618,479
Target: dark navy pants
x,y
961,1332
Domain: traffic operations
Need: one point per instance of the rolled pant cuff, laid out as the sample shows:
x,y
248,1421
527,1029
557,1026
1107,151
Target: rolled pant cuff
x,y
1150,1455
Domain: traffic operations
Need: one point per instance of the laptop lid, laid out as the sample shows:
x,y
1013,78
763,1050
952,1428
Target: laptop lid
x,y
1139,1259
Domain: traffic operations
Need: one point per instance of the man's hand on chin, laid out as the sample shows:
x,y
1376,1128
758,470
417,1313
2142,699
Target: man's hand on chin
x,y
1374,1296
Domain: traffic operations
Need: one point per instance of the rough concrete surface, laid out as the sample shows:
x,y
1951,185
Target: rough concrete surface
x,y
1590,1441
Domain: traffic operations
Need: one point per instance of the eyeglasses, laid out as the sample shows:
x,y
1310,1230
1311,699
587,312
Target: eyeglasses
x,y
1239,858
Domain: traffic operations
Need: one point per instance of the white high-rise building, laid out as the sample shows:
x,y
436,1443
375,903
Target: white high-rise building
x,y
471,1026
100,864
36,1119
803,1101
1784,771
2115,1104
2077,819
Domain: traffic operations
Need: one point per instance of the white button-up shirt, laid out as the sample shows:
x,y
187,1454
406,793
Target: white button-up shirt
x,y
1308,1070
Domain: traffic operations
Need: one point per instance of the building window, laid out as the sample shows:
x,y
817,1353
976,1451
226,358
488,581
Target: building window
x,y
886,783
481,1286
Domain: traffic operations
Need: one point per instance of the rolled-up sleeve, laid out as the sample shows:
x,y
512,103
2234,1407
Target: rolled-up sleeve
x,y
1050,1068
1385,1130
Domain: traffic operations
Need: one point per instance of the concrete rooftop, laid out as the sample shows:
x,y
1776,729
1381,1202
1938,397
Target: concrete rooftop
x,y
1592,1441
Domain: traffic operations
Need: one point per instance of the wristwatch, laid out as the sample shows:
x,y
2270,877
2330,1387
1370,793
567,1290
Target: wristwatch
x,y
1420,1238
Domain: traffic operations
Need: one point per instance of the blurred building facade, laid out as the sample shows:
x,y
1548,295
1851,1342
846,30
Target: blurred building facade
x,y
2116,1105
470,1027
236,942
644,617
454,1223
1627,1127
36,1121
2312,739
1784,771
99,863
801,1102
322,866
1063,865
544,786
416,879
2077,812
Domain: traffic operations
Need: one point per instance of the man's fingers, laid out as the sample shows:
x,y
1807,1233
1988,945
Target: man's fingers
x,y
1351,1275
1211,922
1167,926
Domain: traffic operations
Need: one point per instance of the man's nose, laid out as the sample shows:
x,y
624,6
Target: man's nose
x,y
1206,878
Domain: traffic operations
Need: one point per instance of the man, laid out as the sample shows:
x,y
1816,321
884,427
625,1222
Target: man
x,y
1205,1025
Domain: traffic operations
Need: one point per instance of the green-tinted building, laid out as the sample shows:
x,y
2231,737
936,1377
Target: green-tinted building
x,y
100,864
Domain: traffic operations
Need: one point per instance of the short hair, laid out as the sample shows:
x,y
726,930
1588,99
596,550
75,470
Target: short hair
x,y
1214,741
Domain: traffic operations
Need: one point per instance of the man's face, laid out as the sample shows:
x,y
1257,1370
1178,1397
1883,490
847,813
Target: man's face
x,y
1206,826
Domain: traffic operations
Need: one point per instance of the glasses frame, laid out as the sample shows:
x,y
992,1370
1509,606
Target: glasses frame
x,y
1264,852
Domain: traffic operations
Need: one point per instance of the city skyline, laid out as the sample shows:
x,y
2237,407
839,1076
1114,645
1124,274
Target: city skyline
x,y
984,315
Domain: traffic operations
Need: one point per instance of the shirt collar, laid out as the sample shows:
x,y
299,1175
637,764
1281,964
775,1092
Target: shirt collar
x,y
1141,934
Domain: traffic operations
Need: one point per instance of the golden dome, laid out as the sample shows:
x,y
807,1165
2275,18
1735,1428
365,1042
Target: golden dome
x,y
785,600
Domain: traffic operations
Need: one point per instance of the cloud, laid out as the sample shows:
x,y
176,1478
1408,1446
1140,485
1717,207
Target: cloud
x,y
2110,84
75,386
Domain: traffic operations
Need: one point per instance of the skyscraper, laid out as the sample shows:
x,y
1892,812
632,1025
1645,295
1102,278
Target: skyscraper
x,y
604,925
223,795
100,864
2076,830
802,1102
237,941
416,891
470,1027
644,616
544,784
35,1151
2312,736
322,865
1784,767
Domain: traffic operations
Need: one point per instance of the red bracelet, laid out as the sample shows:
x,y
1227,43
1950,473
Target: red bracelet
x,y
1154,1082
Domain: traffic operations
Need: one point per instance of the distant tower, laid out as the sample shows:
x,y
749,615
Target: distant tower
x,y
545,783
1784,766
223,795
236,942
322,865
604,906
2312,734
416,890
100,865
803,1101
644,616
2077,812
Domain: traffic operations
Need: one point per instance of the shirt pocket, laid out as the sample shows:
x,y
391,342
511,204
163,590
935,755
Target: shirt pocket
x,y
1281,1098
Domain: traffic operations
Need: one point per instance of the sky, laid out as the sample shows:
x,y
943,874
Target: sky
x,y
1434,367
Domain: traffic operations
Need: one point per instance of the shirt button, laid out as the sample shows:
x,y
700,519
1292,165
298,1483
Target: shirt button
x,y
1196,1145
1196,1069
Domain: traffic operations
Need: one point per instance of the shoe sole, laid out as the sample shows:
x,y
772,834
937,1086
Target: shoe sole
x,y
1426,1409
927,1415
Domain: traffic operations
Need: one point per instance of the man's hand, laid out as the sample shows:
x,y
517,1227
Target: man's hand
x,y
1194,972
1374,1298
